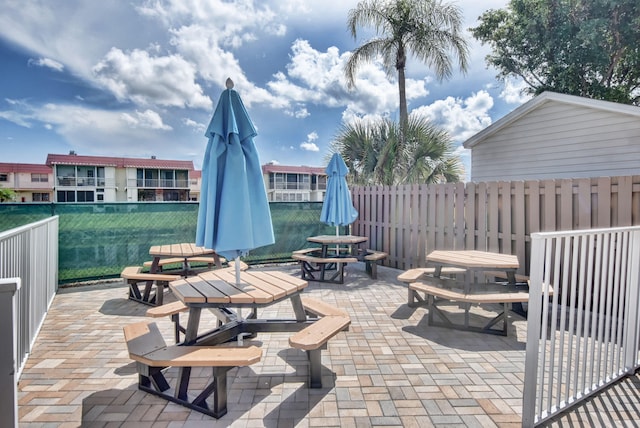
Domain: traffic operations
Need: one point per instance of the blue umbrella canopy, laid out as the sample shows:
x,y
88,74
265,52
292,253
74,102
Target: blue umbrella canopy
x,y
337,209
234,215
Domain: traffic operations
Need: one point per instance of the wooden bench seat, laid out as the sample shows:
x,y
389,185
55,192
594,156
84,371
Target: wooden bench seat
x,y
133,277
147,347
413,275
172,310
371,259
314,338
319,308
184,263
316,268
436,292
503,275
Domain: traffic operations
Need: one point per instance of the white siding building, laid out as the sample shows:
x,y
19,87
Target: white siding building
x,y
558,136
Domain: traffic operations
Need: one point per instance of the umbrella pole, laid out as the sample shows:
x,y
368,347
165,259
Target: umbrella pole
x,y
238,282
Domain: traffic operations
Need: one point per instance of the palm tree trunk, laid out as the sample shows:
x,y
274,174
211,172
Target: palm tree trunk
x,y
404,115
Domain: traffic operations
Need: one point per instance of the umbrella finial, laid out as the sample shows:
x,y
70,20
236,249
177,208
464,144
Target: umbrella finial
x,y
229,83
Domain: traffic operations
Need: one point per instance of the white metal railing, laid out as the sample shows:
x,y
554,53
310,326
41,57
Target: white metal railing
x,y
30,253
589,334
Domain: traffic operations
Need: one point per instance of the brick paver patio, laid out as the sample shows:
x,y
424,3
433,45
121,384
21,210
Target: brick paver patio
x,y
390,369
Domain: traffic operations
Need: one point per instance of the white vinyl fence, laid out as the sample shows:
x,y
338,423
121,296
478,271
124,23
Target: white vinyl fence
x,y
589,334
30,253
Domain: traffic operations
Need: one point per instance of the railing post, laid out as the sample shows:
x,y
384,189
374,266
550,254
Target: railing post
x,y
632,323
8,381
534,315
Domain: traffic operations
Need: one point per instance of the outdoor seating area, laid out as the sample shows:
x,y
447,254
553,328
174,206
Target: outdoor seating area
x,y
327,262
390,368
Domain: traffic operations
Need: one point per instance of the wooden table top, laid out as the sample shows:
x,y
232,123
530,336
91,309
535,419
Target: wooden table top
x,y
473,259
337,239
218,287
179,250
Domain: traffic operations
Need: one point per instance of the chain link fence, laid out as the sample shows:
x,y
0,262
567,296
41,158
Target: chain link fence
x,y
97,241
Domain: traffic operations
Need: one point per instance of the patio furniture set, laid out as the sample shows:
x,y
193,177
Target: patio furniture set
x,y
454,277
327,262
223,346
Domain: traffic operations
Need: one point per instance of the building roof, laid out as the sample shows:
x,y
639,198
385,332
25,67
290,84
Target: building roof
x,y
314,170
25,168
71,159
542,99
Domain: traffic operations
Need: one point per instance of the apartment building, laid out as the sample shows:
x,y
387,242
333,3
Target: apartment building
x,y
30,182
75,178
294,183
115,179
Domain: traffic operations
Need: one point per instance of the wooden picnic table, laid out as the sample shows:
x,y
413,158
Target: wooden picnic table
x,y
184,251
454,277
334,253
219,291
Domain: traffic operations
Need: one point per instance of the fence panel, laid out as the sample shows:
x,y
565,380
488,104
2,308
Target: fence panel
x,y
585,337
410,221
30,253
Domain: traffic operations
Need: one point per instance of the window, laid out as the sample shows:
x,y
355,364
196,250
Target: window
x,y
100,197
66,196
40,197
85,196
4,177
39,178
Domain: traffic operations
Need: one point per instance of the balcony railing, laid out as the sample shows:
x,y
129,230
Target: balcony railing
x,y
162,183
297,186
84,181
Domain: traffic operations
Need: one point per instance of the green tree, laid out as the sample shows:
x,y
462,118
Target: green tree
x,y
427,29
586,48
6,194
374,153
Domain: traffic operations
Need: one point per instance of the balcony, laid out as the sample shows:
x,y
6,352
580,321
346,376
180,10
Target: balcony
x,y
84,181
154,183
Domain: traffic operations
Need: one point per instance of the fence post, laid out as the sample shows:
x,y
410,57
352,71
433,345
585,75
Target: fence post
x,y
8,381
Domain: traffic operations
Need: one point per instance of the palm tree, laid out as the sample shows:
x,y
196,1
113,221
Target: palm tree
x,y
427,29
375,155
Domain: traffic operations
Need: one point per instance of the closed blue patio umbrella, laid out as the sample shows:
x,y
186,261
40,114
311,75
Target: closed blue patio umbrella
x,y
234,215
337,209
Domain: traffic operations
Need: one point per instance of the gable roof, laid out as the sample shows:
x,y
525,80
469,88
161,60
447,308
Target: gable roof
x,y
542,99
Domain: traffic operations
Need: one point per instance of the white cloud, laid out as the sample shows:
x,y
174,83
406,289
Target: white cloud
x,y
462,118
299,112
47,62
512,92
102,131
147,119
145,80
309,145
318,77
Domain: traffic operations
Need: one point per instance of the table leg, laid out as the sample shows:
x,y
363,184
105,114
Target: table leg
x,y
193,324
298,309
154,265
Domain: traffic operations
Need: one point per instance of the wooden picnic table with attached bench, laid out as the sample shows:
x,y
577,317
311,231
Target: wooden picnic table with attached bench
x,y
181,254
462,276
313,324
327,262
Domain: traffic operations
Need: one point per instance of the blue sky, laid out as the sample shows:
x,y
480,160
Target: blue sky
x,y
138,78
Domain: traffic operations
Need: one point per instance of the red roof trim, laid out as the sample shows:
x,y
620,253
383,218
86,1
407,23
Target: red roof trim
x,y
53,159
314,170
